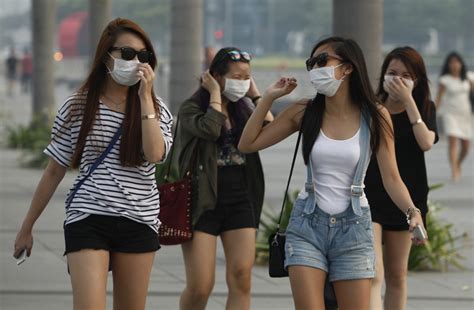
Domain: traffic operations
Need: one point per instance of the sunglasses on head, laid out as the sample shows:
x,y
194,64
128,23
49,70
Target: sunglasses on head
x,y
236,55
320,60
128,53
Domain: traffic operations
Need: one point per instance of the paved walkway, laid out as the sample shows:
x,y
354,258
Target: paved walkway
x,y
42,281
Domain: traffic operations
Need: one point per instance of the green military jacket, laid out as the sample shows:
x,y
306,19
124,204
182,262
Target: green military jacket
x,y
201,129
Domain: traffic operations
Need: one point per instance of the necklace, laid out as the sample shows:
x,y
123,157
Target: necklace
x,y
117,105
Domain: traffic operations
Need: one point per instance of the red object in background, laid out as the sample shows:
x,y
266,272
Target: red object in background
x,y
218,34
74,35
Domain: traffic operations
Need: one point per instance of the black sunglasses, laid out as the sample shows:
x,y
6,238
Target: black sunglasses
x,y
128,53
321,60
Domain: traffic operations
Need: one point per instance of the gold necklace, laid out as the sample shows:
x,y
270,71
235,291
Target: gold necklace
x,y
117,105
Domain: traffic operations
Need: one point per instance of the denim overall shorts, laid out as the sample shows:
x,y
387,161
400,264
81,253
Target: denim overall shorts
x,y
339,244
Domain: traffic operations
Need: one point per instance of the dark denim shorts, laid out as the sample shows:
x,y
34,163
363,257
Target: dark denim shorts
x,y
339,244
111,233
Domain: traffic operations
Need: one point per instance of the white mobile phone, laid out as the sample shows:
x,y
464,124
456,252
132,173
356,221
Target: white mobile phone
x,y
21,259
418,233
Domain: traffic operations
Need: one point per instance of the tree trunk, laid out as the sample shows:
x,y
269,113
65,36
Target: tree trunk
x,y
99,17
186,50
43,30
361,20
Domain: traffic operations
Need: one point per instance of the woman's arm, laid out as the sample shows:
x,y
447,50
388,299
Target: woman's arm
x,y
439,96
255,137
392,181
423,135
52,176
254,95
153,140
403,94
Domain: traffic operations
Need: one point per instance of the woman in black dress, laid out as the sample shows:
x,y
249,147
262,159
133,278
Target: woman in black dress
x,y
404,91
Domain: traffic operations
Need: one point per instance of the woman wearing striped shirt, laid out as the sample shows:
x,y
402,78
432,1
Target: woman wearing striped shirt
x,y
112,218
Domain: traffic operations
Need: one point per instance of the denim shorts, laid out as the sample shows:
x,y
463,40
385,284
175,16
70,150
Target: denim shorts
x,y
339,244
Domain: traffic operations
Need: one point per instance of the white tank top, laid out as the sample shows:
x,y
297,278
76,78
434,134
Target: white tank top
x,y
334,163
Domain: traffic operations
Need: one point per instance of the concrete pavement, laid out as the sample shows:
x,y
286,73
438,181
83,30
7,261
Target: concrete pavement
x,y
42,281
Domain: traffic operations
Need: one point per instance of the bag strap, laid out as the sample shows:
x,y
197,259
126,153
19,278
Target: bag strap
x,y
289,180
96,163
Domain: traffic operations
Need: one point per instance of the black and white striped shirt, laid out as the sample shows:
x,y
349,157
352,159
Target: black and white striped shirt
x,y
112,189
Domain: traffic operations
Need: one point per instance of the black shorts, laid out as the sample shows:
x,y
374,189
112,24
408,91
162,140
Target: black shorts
x,y
234,209
110,233
391,218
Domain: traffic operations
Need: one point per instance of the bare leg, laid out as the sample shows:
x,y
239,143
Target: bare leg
x,y
453,158
131,274
239,248
397,250
200,262
377,282
307,287
88,269
465,144
353,294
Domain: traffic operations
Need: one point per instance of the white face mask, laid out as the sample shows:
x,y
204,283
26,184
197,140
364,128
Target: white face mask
x,y
236,89
324,80
125,71
389,78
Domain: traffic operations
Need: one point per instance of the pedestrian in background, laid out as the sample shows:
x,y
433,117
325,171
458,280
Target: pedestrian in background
x,y
453,104
330,229
11,64
26,71
404,91
230,184
111,214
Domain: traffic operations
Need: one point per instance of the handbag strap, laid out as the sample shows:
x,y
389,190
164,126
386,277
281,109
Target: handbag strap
x,y
96,163
289,179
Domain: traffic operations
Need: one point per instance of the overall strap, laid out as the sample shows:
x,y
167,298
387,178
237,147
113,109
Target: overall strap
x,y
95,164
357,187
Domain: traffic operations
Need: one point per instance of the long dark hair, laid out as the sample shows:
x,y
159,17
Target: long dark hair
x,y
416,66
360,92
239,111
445,68
94,86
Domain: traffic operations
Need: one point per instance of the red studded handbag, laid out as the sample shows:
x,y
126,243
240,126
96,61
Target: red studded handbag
x,y
176,204
175,212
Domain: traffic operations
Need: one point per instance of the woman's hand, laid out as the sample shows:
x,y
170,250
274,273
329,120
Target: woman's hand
x,y
146,75
253,90
416,220
281,88
209,83
398,90
23,241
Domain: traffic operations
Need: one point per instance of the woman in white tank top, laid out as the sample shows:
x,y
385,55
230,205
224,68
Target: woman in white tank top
x,y
330,232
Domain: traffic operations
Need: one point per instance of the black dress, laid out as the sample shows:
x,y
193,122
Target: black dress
x,y
412,168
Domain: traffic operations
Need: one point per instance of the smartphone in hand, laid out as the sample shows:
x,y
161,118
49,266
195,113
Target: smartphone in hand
x,y
418,233
21,259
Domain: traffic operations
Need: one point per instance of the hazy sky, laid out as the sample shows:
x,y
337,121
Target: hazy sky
x,y
9,7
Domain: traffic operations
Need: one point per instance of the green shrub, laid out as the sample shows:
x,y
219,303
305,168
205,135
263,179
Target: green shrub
x,y
268,225
442,250
32,139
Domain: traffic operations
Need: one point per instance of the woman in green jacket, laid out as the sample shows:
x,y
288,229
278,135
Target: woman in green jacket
x,y
230,185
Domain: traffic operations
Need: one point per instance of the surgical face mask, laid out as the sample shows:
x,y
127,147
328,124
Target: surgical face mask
x,y
125,71
388,78
235,89
324,80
